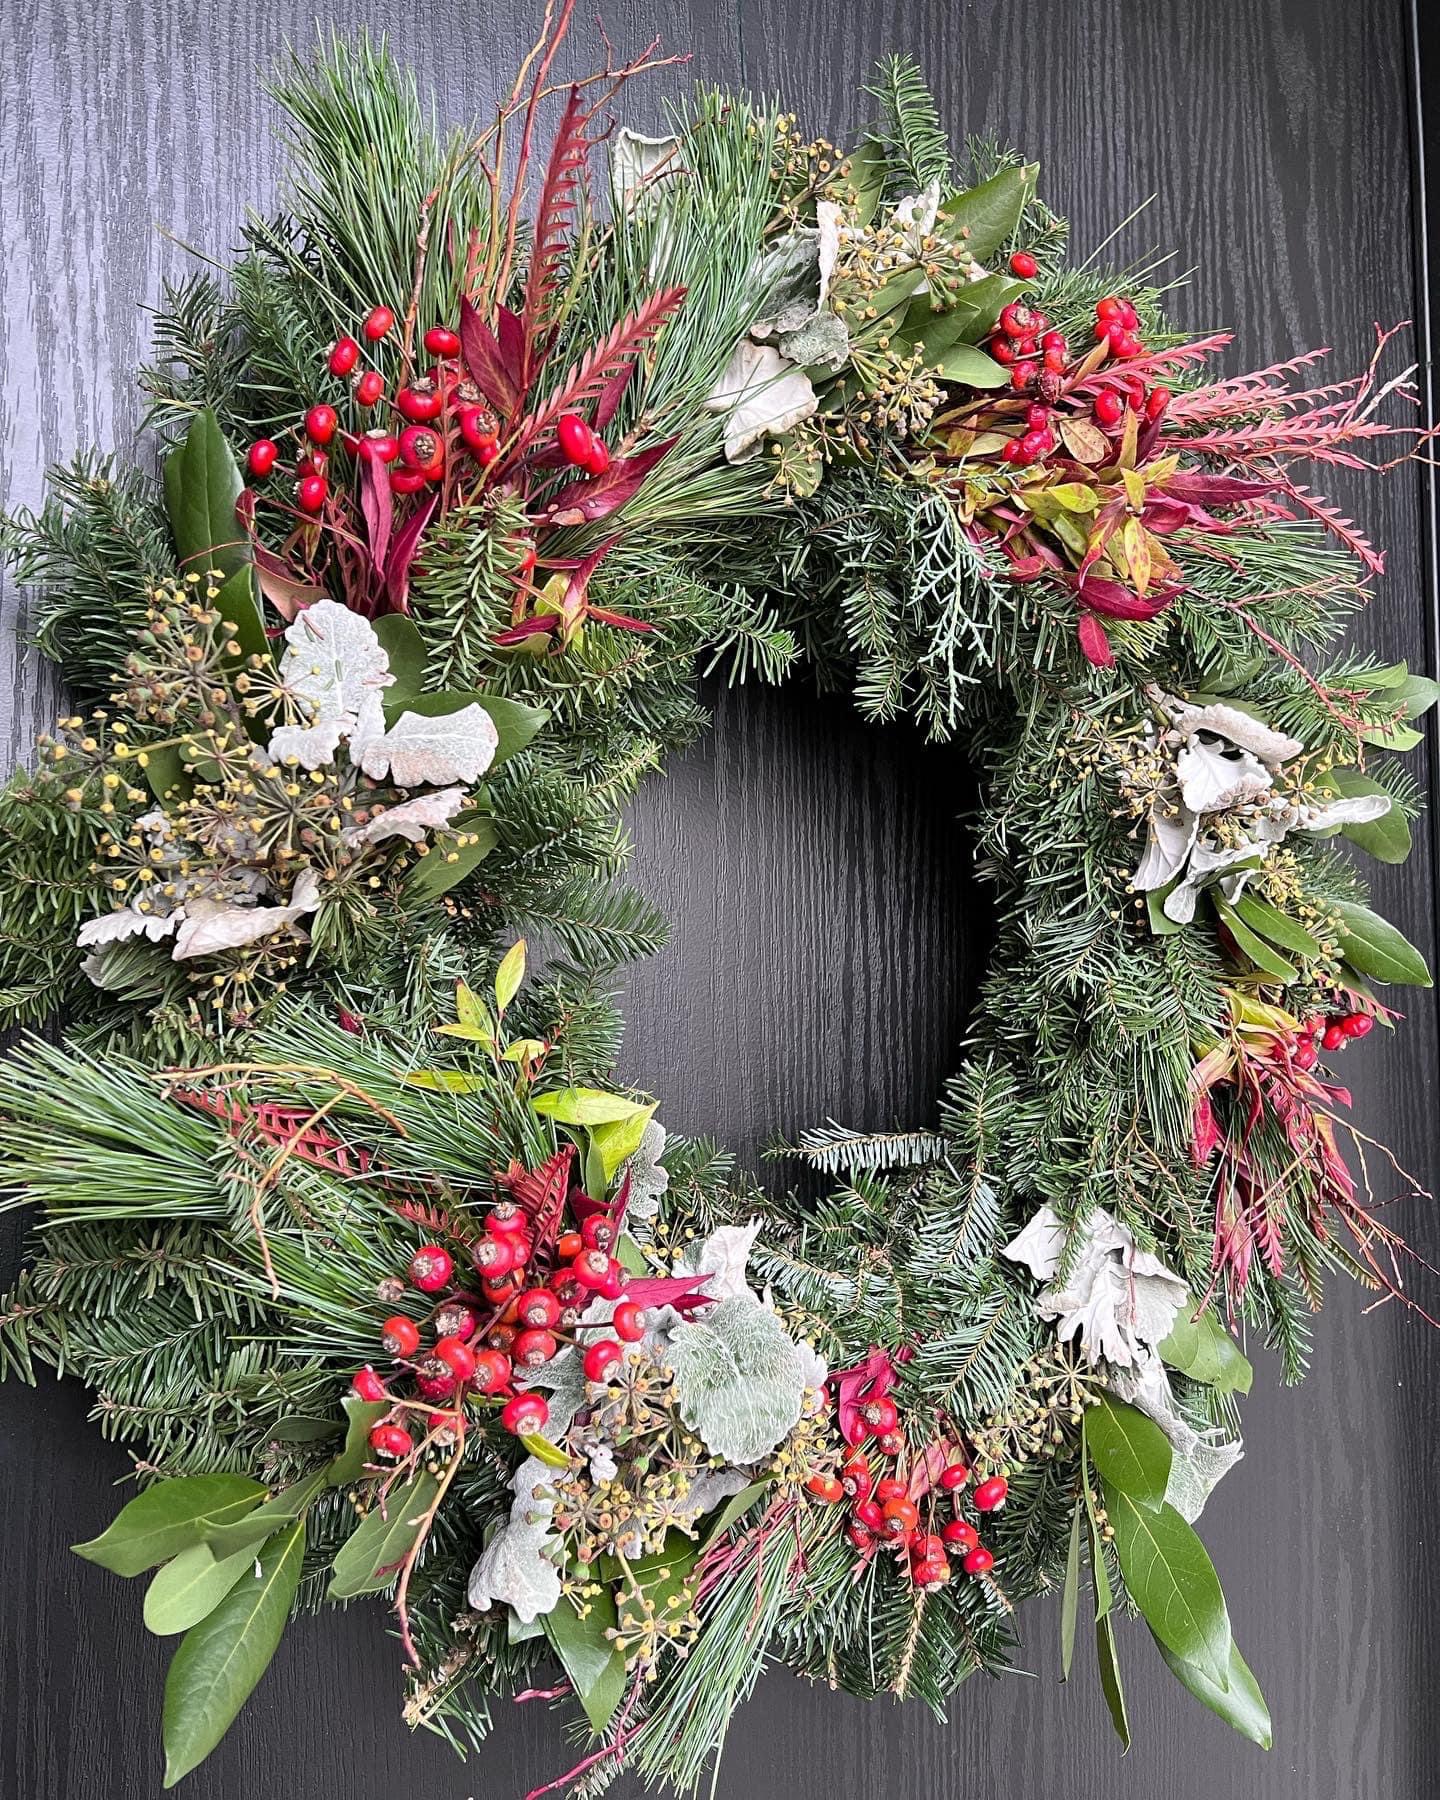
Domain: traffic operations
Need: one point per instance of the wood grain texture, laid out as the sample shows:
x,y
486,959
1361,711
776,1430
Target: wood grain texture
x,y
826,929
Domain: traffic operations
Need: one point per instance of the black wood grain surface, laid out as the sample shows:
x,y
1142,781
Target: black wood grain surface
x,y
826,928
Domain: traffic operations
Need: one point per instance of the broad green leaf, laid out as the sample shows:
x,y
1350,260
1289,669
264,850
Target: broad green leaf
x,y
1172,1581
1240,1703
585,1106
663,1578
510,974
167,1519
189,1588
370,1557
989,212
166,774
969,315
1110,1684
515,722
615,1142
402,643
236,602
202,485
1417,694
630,1256
472,1015
1131,1452
1161,924
732,1512
592,1173
1277,926
289,1504
446,1081
361,1416
1373,946
1387,838
543,1450
1205,1351
220,1660
1267,961
304,1428
596,1670
447,862
1070,1596
970,367
863,180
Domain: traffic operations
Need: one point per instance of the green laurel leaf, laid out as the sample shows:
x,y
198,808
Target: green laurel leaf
x,y
1374,947
202,486
190,1587
169,1518
1130,1451
1171,1579
596,1670
1205,1351
1240,1703
369,1559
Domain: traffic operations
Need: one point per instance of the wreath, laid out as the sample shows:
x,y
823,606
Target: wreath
x,y
477,450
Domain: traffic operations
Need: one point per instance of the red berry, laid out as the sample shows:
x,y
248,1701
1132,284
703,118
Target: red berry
x,y
978,1561
869,1514
1124,343
1003,350
1306,1055
422,450
1023,377
929,1548
880,1413
1159,398
1017,319
628,1323
506,1218
990,1495
1055,340
399,1336
440,340
367,1384
891,1443
889,1488
954,1476
597,1233
262,457
574,437
859,1536
369,388
311,492
434,1381
901,1517
1334,1036
492,1371
378,321
382,445
391,1440
524,1414
456,1318
1037,415
538,1307
569,1245
1128,315
1109,407
1034,444
566,1289
501,1337
1107,309
601,1358
930,1574
613,1286
408,481
321,424
857,1478
960,1533
492,1255
534,1348
1010,452
431,1268
457,1357
1357,1024
591,1269
1056,361
418,404
344,354
825,1488
598,460
1027,345
1023,264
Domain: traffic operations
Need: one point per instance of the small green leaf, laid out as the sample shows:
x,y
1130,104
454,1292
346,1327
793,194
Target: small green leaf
x,y
1417,694
1171,1579
360,1416
1070,1596
732,1512
1130,1451
370,1557
202,486
1240,1703
1267,961
447,1081
515,722
169,1518
471,1013
1161,924
289,1504
436,873
585,1106
189,1589
303,1428
970,367
596,1670
236,603
1205,1351
1110,1684
510,974
1277,926
166,774
220,1660
984,218
402,643
615,1142
863,182
1387,838
1373,946
543,1450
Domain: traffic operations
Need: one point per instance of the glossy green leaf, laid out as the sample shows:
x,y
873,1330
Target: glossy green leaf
x,y
543,1450
515,723
1130,1451
970,367
1161,924
968,316
284,1508
510,974
1205,1351
166,774
447,1081
596,1670
220,1660
1110,1683
169,1518
402,643
585,1106
1250,944
731,1513
1240,1703
237,602
616,1141
1373,946
190,1587
1387,838
1277,926
1417,694
990,212
202,486
370,1558
1171,1579
863,180
435,874
1070,1596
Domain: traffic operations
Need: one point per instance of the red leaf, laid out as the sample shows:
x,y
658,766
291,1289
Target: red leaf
x,y
869,1380
1094,643
684,1292
564,180
588,378
611,395
516,634
402,553
378,506
511,330
1118,602
485,361
595,497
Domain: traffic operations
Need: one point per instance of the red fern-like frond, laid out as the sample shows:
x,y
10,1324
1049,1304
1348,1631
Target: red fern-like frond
x,y
564,185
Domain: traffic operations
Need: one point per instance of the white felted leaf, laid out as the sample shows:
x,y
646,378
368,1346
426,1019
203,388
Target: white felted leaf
x,y
723,1257
739,1379
412,819
648,1176
761,394
335,667
110,928
640,165
1270,746
1198,1458
516,1568
214,925
821,341
1214,778
788,276
419,751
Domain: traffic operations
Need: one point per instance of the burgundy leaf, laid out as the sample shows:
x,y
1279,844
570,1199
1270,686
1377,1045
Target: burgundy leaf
x,y
602,615
485,362
1201,489
588,378
684,1292
869,1380
595,497
1094,642
516,634
1118,602
611,395
402,553
378,505
564,181
511,329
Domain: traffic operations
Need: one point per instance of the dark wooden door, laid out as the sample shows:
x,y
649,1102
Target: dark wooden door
x,y
826,930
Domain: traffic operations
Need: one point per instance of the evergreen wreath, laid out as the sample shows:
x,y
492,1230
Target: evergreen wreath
x,y
356,715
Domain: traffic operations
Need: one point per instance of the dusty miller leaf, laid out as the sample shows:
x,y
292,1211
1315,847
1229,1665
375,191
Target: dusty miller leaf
x,y
739,1379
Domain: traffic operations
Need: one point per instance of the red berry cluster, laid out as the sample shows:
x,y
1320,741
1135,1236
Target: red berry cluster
x,y
1330,1033
527,1323
579,444
1118,324
887,1510
1024,342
